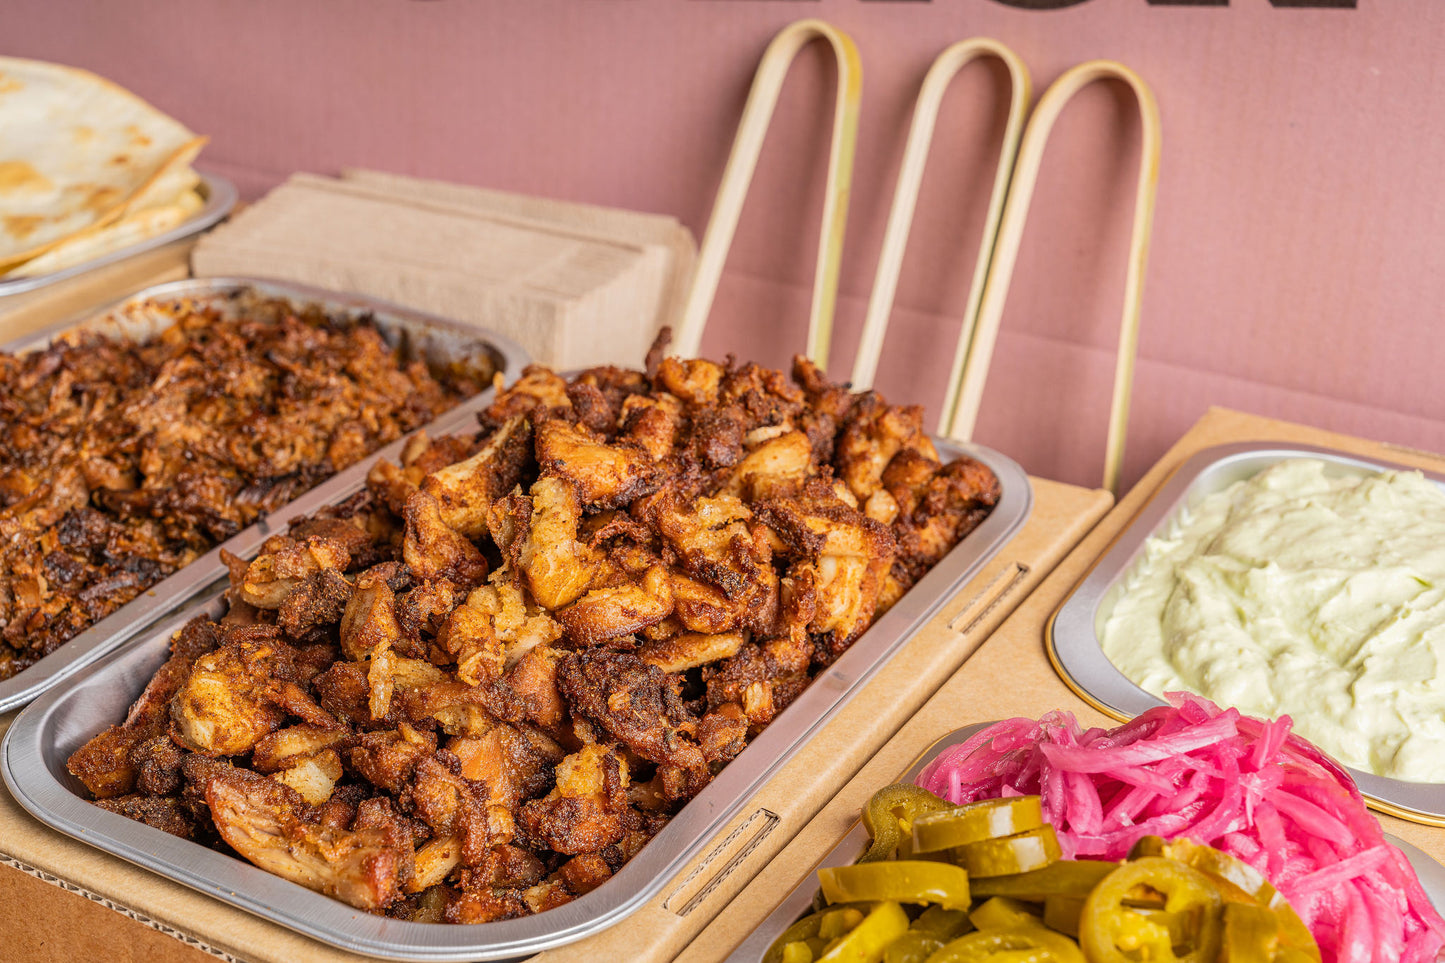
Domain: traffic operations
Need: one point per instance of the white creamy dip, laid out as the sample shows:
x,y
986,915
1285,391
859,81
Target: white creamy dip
x,y
1303,593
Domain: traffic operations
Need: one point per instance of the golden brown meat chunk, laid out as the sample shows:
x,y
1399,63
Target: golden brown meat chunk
x,y
604,474
465,491
270,825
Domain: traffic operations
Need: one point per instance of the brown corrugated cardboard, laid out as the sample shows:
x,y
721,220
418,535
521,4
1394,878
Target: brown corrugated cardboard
x,y
1010,675
1062,514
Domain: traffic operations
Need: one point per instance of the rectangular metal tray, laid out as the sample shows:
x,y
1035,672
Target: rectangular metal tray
x,y
852,845
436,339
1072,637
33,755
220,196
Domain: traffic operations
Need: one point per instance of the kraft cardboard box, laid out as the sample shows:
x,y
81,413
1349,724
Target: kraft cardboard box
x,y
65,898
1011,676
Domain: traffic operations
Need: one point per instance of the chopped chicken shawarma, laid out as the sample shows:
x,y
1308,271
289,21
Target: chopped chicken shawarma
x,y
476,689
268,824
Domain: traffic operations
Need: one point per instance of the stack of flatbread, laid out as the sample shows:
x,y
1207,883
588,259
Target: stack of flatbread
x,y
86,168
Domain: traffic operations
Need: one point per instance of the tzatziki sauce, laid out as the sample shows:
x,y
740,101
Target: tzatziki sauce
x,y
1308,591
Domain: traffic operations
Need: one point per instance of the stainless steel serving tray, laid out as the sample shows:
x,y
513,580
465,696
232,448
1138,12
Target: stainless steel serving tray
x,y
851,846
32,760
1072,636
435,339
220,196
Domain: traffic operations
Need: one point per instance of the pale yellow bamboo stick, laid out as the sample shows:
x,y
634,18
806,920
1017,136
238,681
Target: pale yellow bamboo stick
x,y
1026,171
738,175
905,199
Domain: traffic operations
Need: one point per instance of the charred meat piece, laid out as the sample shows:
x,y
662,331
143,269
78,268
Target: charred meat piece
x,y
275,829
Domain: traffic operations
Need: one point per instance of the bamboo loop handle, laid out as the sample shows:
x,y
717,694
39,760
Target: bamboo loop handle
x,y
738,175
1000,273
905,199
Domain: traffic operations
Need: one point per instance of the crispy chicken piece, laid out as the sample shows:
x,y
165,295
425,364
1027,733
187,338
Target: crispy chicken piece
x,y
512,764
695,381
690,650
538,385
605,475
950,505
873,434
844,553
167,815
434,862
451,805
723,733
240,692
284,564
557,567
465,490
606,613
721,546
775,466
637,703
369,619
274,751
432,550
758,681
653,423
318,601
105,764
587,810
274,828
494,629
314,777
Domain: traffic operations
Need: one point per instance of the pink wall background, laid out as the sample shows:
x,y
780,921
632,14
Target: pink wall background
x,y
1300,233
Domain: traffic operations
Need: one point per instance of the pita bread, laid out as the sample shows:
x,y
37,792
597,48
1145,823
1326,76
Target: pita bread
x,y
78,153
135,227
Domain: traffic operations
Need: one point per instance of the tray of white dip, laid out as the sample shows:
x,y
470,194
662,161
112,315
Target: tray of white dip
x,y
1282,580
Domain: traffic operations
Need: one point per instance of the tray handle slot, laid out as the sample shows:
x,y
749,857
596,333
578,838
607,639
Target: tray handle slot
x,y
731,853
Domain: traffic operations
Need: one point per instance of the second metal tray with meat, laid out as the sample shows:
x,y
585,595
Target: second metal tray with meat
x,y
442,344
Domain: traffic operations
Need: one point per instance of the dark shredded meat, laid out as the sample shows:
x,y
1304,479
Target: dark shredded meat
x,y
477,689
122,462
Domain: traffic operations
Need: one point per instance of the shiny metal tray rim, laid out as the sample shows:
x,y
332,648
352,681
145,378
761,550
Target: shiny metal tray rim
x,y
183,585
220,197
855,841
1071,636
33,755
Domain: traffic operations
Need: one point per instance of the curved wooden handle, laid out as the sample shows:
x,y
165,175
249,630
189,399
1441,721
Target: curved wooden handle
x,y
1000,272
738,175
905,199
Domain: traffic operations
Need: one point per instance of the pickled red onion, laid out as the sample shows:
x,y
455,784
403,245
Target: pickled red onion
x,y
1246,786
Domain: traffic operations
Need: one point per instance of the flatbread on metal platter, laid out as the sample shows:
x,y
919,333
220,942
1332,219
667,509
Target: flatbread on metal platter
x,y
77,153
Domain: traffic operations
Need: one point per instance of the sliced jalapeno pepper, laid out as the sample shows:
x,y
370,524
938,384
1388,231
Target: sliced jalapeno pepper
x,y
903,881
972,823
1251,933
798,934
867,942
1065,878
1002,913
1110,932
1061,913
1238,882
912,947
1032,944
1021,853
946,924
890,814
